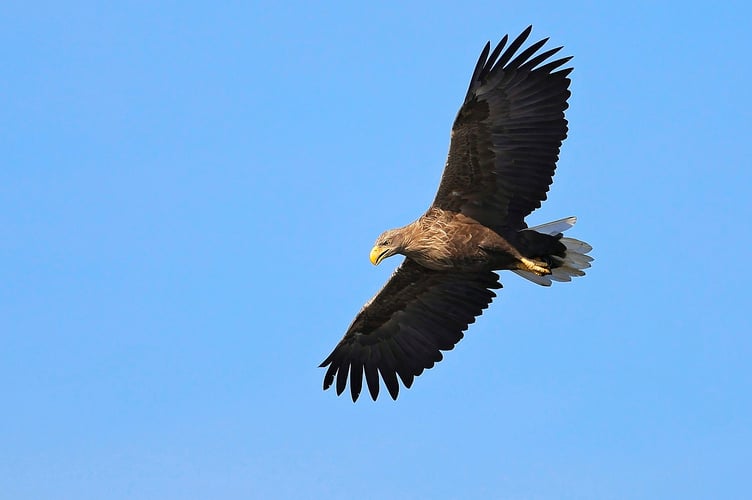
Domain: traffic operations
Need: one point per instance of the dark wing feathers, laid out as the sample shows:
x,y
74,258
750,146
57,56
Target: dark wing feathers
x,y
507,135
404,328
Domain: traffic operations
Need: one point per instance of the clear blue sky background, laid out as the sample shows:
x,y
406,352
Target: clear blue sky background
x,y
188,196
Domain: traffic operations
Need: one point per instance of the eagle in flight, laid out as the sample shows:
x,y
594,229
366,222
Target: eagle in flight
x,y
504,146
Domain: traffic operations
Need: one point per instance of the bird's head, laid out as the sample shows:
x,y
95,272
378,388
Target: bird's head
x,y
387,244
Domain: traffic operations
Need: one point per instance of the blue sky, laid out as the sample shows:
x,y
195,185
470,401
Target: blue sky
x,y
188,197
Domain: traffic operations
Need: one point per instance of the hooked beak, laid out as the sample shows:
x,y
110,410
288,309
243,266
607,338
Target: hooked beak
x,y
378,254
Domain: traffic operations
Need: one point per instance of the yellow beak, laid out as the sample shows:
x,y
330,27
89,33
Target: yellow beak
x,y
377,254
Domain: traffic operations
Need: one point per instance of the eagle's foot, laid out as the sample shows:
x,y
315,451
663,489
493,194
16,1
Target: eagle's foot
x,y
534,266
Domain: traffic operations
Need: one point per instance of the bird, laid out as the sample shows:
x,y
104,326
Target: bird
x,y
504,145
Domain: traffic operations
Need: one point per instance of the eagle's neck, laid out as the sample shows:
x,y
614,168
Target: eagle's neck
x,y
428,241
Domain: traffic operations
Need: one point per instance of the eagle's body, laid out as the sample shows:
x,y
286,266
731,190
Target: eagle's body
x,y
502,156
443,240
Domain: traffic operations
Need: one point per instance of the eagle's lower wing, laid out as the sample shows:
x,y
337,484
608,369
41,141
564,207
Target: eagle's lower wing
x,y
404,328
507,135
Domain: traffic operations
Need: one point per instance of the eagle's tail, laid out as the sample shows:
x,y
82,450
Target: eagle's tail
x,y
571,264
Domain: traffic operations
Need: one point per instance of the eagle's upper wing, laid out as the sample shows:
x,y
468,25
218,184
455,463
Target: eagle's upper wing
x,y
401,331
507,135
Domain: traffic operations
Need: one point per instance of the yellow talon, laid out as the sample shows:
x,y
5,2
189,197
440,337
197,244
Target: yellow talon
x,y
537,267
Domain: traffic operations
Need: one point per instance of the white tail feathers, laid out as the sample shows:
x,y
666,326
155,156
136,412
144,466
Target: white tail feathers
x,y
573,262
555,227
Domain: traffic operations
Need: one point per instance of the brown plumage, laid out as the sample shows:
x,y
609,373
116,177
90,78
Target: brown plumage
x,y
504,146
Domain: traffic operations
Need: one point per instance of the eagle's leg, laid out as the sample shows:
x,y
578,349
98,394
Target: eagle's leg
x,y
534,266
